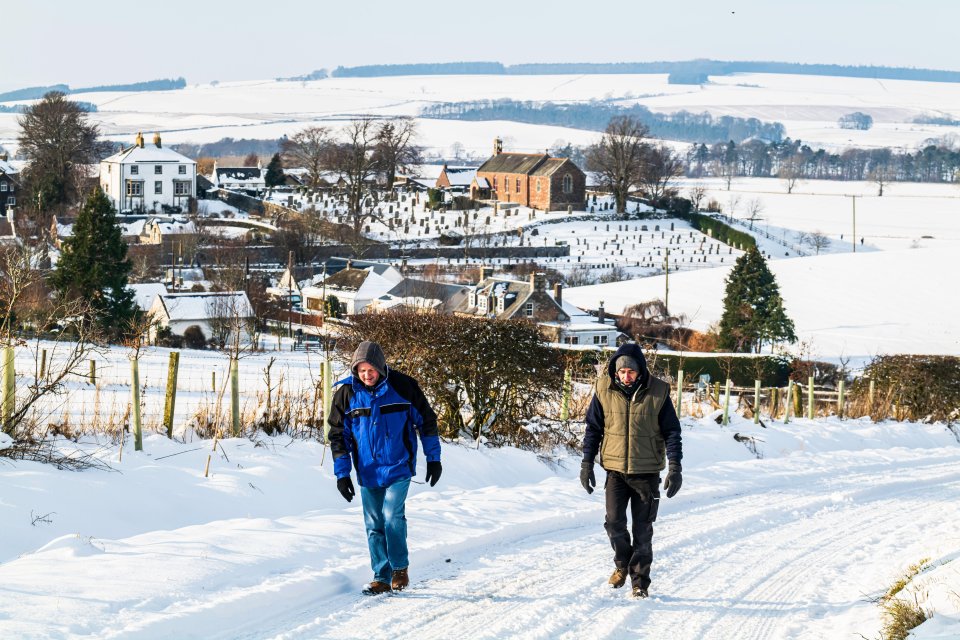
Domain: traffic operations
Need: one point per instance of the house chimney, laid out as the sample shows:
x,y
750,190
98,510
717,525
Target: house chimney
x,y
538,281
601,313
497,146
349,263
139,140
156,140
558,293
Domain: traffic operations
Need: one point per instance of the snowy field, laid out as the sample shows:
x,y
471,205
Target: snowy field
x,y
808,106
508,545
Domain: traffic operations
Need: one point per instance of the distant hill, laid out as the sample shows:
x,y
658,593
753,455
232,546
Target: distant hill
x,y
35,93
687,68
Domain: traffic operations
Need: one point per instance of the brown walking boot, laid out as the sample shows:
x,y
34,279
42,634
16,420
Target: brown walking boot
x,y
375,588
639,592
618,578
400,580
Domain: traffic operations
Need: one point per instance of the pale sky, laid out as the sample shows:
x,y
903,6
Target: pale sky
x,y
108,41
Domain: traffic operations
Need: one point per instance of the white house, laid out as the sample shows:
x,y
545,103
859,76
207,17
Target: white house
x,y
148,178
250,180
355,289
209,311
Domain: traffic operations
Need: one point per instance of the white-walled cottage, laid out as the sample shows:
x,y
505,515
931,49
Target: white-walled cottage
x,y
148,178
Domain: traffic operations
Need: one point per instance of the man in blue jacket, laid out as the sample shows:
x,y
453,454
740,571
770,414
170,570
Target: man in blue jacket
x,y
632,424
373,420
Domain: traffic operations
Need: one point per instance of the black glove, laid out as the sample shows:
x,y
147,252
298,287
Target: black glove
x,y
587,479
671,484
345,487
434,469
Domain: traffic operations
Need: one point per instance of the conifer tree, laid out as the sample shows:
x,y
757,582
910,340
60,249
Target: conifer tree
x,y
93,265
753,312
274,176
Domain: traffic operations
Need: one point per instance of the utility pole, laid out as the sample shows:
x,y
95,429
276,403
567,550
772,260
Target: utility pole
x,y
666,282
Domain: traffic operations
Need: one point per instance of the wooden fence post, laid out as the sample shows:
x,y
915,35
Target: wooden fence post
x,y
774,402
9,389
786,415
327,396
680,393
810,398
135,400
213,381
565,400
171,399
756,402
873,388
235,397
726,404
797,401
840,400
43,364
93,371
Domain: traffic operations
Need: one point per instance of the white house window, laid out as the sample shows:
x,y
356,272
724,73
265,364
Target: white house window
x,y
109,168
495,182
518,185
158,186
538,185
473,299
506,184
181,188
571,340
567,184
529,309
134,170
158,169
134,188
500,304
3,186
483,304
11,200
182,170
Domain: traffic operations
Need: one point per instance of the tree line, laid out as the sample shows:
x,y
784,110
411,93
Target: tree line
x,y
33,93
792,160
594,116
698,67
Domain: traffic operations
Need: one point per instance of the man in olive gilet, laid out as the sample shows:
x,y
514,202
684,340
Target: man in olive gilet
x,y
631,422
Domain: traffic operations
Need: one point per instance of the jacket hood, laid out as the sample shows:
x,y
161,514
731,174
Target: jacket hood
x,y
372,354
633,350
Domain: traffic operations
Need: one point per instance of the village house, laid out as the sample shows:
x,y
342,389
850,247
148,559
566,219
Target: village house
x,y
149,178
250,181
558,321
214,313
413,294
168,231
534,180
354,288
9,186
456,179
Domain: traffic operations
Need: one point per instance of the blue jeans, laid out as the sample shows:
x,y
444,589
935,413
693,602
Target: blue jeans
x,y
383,514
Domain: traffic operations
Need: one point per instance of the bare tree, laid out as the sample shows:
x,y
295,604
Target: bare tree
x,y
309,149
790,172
354,159
395,149
818,240
754,209
697,193
618,157
880,175
661,166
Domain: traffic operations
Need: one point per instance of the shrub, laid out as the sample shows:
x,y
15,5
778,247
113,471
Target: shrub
x,y
193,337
916,387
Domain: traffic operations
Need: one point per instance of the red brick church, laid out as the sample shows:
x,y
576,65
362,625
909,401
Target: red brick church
x,y
534,180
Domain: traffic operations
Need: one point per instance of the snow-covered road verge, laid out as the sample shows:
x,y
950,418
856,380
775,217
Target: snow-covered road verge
x,y
790,545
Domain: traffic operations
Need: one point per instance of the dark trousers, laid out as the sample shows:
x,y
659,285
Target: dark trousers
x,y
642,493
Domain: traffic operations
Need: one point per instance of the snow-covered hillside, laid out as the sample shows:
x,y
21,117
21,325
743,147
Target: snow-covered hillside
x,y
507,545
808,106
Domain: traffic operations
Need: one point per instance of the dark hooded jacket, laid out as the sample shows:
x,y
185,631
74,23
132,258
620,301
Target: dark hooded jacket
x,y
642,429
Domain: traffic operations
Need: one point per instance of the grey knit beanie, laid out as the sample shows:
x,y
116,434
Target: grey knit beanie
x,y
372,354
626,362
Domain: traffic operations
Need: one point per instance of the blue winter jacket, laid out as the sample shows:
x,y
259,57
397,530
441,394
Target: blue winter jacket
x,y
375,429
